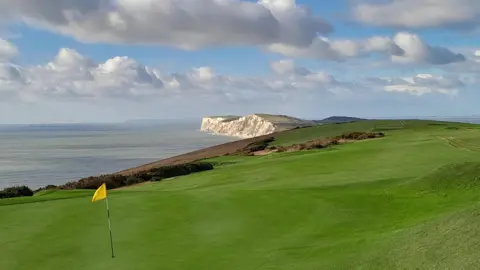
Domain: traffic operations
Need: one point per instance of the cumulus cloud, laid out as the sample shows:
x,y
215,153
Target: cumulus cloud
x,y
323,48
280,26
73,76
403,47
421,84
419,13
413,49
288,67
186,24
303,78
476,56
7,50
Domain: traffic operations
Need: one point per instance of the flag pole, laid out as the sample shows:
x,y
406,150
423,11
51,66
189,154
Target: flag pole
x,y
109,227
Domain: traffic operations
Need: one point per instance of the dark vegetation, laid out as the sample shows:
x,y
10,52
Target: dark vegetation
x,y
359,136
262,145
156,174
17,191
326,142
338,120
253,147
117,180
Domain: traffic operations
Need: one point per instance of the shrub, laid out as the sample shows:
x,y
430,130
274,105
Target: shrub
x,y
131,180
359,135
160,173
49,187
326,142
260,145
334,141
157,174
16,191
93,182
254,147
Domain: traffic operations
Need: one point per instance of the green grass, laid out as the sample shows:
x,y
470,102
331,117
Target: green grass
x,y
406,201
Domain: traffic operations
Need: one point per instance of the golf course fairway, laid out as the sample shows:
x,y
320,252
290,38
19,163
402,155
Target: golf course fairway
x,y
409,200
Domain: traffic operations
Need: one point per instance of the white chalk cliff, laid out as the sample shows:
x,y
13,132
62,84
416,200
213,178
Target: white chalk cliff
x,y
251,125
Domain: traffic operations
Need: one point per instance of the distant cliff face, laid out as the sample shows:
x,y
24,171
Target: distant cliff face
x,y
251,125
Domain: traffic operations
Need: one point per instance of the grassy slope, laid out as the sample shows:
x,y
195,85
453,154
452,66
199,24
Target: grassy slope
x,y
405,201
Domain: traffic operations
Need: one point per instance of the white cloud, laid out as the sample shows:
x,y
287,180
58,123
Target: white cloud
x,y
419,13
288,67
120,88
186,24
71,76
9,72
404,47
422,84
302,78
416,50
280,26
476,56
7,50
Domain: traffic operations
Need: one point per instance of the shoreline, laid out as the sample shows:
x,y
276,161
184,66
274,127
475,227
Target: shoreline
x,y
204,153
179,160
61,155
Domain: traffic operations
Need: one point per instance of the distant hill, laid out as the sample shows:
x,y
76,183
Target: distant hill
x,y
339,119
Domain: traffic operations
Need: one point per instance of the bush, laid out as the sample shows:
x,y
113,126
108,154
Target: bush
x,y
93,182
326,142
160,173
49,187
334,141
131,180
258,146
157,174
359,135
250,149
16,191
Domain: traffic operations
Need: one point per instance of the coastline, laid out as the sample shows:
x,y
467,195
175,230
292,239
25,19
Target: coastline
x,y
172,167
205,153
57,156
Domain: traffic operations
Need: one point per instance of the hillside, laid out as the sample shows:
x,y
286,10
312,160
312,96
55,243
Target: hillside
x,y
251,125
408,200
283,137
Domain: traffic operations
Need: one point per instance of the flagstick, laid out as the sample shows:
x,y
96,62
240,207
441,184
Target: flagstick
x,y
109,227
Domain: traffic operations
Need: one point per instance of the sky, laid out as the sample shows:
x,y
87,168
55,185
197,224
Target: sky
x,y
115,60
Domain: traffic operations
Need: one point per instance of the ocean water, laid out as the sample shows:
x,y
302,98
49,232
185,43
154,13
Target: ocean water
x,y
55,154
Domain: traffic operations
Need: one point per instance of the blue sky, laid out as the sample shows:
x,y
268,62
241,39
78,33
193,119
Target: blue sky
x,y
308,58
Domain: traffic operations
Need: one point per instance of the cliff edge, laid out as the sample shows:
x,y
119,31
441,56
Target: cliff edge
x,y
251,125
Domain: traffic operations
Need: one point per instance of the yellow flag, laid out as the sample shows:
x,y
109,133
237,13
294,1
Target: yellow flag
x,y
100,194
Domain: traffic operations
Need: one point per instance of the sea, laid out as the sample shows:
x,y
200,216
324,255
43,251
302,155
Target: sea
x,y
40,155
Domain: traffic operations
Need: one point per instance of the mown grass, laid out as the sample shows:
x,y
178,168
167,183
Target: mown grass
x,y
406,201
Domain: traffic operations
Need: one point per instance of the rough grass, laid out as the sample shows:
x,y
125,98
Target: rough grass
x,y
408,201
